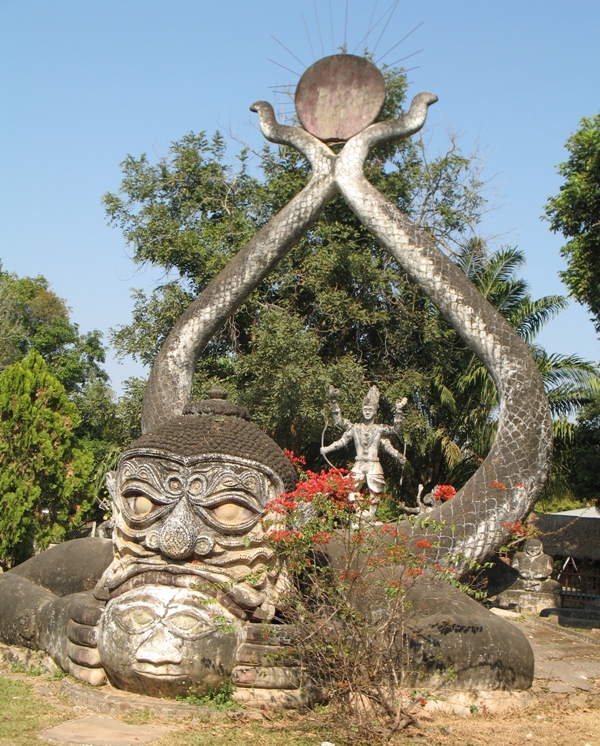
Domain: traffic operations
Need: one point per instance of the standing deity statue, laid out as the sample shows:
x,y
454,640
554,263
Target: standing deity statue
x,y
368,437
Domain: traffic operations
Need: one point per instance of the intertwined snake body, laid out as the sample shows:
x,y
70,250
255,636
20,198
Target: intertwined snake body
x,y
473,524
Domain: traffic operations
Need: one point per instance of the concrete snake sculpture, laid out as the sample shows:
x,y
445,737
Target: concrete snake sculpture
x,y
469,527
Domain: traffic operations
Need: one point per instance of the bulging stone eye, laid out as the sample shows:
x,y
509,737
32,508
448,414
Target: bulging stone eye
x,y
232,514
136,619
139,503
143,505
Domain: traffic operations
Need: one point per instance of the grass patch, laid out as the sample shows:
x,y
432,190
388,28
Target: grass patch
x,y
29,670
218,699
285,732
552,721
23,713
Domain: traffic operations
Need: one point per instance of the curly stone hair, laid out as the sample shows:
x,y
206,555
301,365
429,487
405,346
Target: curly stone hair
x,y
218,426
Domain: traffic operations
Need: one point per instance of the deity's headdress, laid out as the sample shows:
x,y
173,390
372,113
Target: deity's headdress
x,y
372,398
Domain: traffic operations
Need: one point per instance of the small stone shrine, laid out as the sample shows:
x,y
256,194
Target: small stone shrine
x,y
534,590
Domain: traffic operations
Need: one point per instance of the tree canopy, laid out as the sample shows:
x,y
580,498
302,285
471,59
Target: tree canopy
x,y
575,212
33,317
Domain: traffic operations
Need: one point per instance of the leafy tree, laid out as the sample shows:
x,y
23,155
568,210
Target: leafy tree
x,y
44,474
108,424
11,326
338,309
586,453
33,317
575,212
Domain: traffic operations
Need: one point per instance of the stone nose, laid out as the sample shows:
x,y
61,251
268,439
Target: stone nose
x,y
179,532
160,648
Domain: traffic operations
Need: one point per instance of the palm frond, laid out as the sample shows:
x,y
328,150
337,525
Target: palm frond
x,y
532,315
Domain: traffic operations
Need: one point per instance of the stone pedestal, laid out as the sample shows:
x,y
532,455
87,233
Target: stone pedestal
x,y
548,596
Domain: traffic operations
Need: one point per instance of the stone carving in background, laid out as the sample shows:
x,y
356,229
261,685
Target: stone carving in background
x,y
534,590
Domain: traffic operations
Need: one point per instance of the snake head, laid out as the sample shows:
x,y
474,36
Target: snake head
x,y
316,152
269,126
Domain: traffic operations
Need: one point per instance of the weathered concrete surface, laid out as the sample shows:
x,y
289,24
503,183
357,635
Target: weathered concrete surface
x,y
339,96
456,642
71,567
97,730
565,661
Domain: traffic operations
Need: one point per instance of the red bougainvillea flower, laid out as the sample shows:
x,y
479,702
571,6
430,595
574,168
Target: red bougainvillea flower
x,y
321,537
424,544
283,536
516,528
282,504
440,568
336,485
444,492
298,461
498,485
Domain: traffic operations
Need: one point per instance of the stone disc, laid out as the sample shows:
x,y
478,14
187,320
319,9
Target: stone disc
x,y
338,96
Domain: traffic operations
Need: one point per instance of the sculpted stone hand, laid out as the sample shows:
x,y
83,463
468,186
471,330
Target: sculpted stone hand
x,y
78,650
65,627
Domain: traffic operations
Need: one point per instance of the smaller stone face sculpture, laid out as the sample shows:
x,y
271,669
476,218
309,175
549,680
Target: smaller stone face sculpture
x,y
533,565
367,437
534,590
167,641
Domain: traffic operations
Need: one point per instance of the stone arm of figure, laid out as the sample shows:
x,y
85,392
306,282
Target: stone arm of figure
x,y
393,452
64,627
399,415
336,413
336,445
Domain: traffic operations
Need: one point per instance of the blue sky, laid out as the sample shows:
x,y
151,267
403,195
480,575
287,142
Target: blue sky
x,y
85,83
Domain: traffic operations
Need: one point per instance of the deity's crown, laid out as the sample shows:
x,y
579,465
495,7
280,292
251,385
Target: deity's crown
x,y
372,398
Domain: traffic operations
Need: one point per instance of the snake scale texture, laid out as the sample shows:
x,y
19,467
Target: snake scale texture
x,y
471,526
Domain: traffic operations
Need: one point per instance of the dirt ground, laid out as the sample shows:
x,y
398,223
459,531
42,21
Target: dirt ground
x,y
30,703
562,709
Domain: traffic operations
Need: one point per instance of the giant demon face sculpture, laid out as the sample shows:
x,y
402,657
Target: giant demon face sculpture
x,y
189,502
